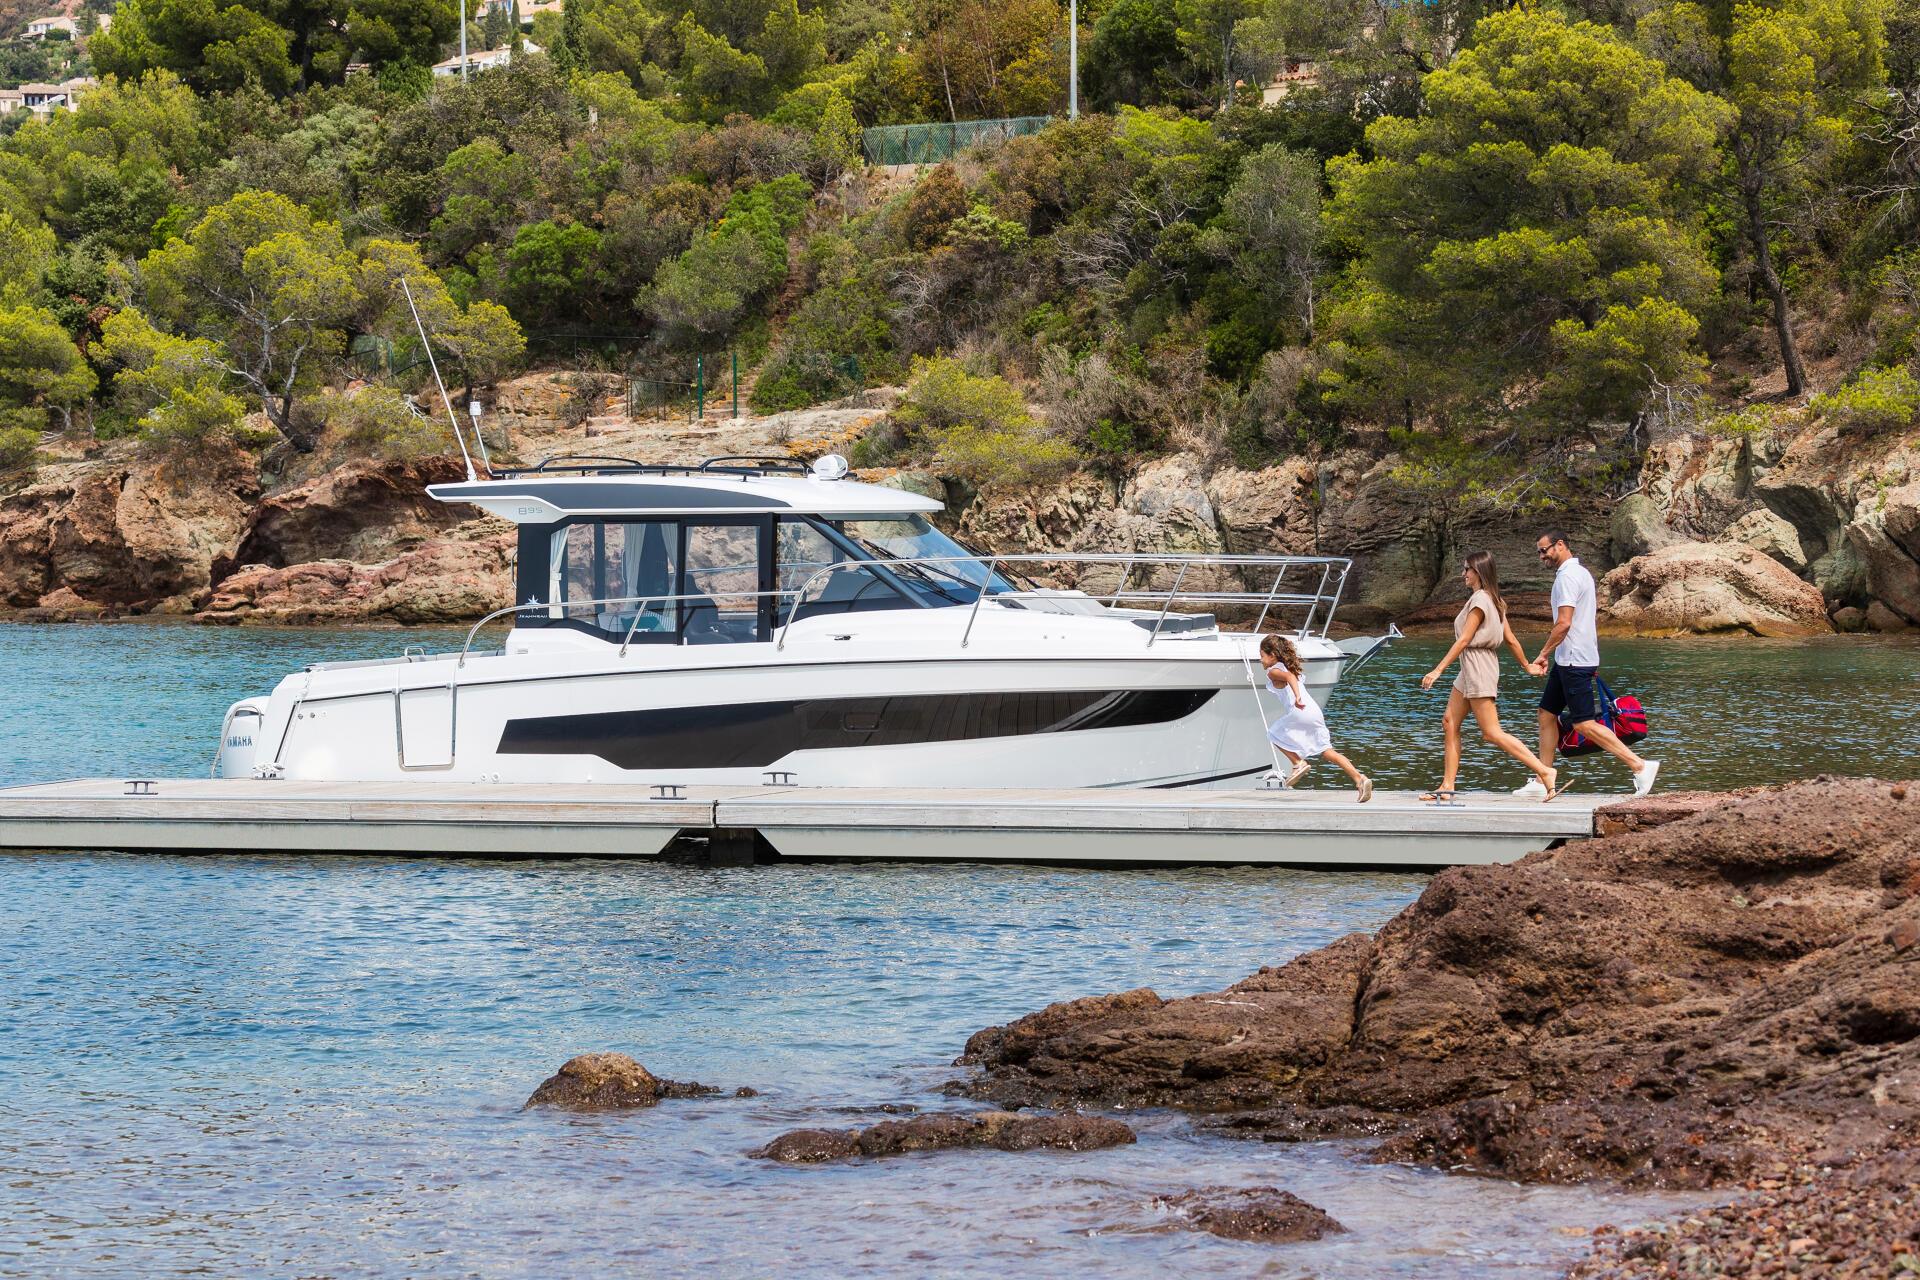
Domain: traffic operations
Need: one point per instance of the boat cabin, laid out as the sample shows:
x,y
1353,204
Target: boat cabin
x,y
722,553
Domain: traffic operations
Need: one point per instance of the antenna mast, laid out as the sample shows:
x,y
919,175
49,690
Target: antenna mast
x,y
453,419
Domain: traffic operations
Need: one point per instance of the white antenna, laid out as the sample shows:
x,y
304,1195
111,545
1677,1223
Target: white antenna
x,y
452,419
1073,59
479,436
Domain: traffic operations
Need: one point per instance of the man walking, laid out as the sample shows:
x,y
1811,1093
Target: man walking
x,y
1575,646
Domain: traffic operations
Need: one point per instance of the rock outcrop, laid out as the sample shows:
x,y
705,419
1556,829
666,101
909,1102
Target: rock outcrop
x,y
442,581
366,510
1350,504
944,1131
1851,504
1703,587
1770,535
1886,538
123,534
609,1082
1267,1215
1639,527
1667,1006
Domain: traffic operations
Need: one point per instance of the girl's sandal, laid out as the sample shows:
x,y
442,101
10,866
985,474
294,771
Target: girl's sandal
x,y
1299,772
1366,789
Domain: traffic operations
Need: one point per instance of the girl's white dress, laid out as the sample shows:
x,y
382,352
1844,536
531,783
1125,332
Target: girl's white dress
x,y
1300,730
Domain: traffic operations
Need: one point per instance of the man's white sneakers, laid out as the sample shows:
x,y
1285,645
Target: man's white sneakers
x,y
1643,776
1534,790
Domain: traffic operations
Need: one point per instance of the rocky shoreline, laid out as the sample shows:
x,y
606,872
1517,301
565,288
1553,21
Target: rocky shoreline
x,y
1725,993
1800,532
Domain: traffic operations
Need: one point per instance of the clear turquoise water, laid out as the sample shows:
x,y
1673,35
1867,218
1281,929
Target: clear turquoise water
x,y
314,1066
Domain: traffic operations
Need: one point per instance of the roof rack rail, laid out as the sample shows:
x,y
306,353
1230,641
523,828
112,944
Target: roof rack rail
x,y
757,462
589,464
580,462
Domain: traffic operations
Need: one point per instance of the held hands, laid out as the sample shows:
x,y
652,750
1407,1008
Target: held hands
x,y
1538,667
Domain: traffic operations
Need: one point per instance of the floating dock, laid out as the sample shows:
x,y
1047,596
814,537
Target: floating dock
x,y
482,820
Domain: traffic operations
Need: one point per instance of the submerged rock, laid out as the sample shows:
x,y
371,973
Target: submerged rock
x,y
812,1146
1660,1006
609,1082
1264,1214
945,1131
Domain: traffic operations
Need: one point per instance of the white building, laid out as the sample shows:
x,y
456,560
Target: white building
x,y
482,60
39,28
44,99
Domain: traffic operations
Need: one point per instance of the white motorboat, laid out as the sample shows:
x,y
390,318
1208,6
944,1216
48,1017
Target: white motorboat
x,y
755,620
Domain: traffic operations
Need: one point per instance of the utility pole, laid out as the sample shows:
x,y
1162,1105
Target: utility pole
x,y
1073,59
464,6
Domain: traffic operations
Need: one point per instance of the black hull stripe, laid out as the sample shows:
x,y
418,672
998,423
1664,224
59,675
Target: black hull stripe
x,y
753,735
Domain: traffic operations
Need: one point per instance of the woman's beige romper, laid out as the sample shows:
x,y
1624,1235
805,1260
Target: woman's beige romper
x,y
1480,661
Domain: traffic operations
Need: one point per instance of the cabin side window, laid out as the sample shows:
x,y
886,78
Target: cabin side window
x,y
804,551
616,577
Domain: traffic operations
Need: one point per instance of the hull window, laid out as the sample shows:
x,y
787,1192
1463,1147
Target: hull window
x,y
756,734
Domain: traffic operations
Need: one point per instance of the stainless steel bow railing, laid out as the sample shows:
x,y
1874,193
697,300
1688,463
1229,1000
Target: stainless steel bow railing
x,y
1327,590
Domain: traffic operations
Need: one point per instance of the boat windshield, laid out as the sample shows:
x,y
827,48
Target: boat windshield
x,y
957,581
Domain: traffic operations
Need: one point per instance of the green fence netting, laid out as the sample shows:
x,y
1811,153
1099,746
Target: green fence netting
x,y
932,143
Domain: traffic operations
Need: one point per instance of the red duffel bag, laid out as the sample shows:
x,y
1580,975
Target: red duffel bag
x,y
1624,715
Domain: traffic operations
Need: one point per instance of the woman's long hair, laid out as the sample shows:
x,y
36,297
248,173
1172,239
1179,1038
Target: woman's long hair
x,y
1481,563
1281,649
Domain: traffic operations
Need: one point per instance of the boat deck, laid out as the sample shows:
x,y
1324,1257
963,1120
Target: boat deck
x,y
1113,827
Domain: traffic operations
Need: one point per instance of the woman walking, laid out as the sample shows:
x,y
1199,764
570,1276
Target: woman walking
x,y
1300,730
1478,632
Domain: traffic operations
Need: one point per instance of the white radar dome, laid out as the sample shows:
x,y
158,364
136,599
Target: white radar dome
x,y
830,467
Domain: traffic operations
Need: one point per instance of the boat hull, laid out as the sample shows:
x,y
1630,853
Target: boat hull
x,y
966,722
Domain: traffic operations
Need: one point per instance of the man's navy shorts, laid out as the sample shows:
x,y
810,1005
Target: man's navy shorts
x,y
1570,689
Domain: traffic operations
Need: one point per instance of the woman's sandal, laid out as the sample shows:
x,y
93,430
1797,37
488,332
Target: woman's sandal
x,y
1559,789
1439,795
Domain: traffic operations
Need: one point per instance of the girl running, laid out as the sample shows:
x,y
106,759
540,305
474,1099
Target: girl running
x,y
1300,731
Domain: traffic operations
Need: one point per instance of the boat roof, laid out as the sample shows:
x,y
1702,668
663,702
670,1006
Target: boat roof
x,y
616,487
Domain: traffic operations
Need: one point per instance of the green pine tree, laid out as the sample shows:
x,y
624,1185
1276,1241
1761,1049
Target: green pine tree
x,y
570,52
